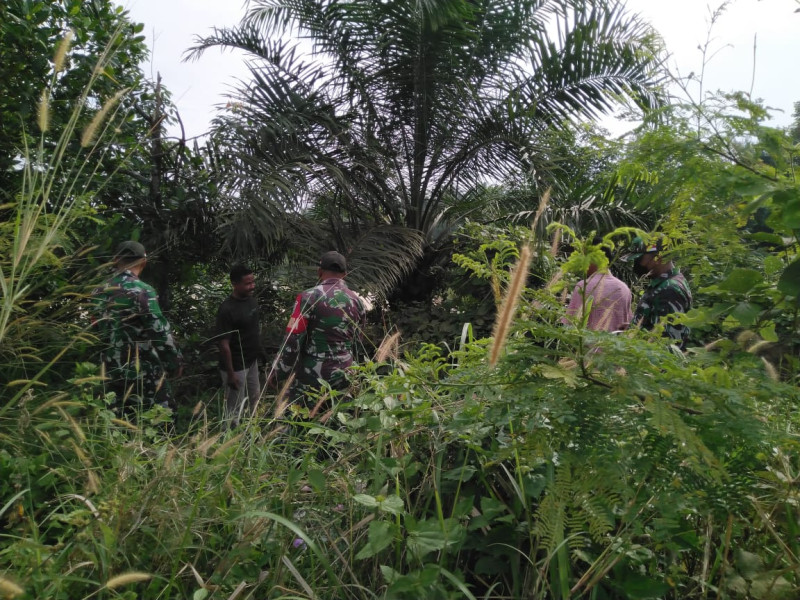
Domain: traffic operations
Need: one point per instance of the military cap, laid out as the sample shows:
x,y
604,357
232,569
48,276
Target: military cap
x,y
638,248
130,249
333,261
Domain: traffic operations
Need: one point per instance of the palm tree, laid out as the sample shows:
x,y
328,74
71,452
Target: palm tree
x,y
390,114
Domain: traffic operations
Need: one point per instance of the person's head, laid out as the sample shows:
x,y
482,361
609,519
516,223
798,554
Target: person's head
x,y
332,264
130,255
243,281
596,241
648,258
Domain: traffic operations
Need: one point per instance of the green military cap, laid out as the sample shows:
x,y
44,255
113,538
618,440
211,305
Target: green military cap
x,y
638,248
130,249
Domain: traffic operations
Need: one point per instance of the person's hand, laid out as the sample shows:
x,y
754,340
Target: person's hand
x,y
233,382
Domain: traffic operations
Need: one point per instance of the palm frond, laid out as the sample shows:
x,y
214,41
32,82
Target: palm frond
x,y
401,111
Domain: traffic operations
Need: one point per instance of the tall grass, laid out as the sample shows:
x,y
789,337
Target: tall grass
x,y
37,308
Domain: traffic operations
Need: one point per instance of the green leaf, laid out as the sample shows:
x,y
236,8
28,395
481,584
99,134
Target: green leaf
x,y
366,500
789,201
772,264
378,538
430,535
741,281
746,313
789,283
767,332
392,504
640,587
464,473
200,594
770,238
569,376
389,574
389,504
317,479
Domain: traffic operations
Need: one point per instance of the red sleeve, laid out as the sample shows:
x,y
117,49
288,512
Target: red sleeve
x,y
298,321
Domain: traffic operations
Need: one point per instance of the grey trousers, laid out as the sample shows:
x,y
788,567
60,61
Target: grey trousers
x,y
242,402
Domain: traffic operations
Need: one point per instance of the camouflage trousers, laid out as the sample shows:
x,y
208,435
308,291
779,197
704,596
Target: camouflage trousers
x,y
138,389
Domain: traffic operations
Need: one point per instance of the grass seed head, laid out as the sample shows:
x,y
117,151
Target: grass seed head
x,y
44,111
543,202
90,132
509,307
126,578
61,52
772,372
9,589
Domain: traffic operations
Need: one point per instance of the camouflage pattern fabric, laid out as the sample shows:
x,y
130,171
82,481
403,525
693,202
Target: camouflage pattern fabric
x,y
325,322
139,350
665,295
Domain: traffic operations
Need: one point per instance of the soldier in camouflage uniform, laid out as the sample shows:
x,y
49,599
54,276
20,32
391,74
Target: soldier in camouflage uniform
x,y
138,349
666,293
326,321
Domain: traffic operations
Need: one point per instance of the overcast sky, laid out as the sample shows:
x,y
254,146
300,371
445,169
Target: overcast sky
x,y
771,26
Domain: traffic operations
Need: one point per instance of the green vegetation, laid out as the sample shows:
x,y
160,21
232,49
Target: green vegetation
x,y
546,461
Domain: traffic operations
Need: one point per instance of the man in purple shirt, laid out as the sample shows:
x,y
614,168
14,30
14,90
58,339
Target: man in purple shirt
x,y
607,299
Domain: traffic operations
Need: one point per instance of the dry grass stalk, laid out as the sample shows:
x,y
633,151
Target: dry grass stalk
x,y
87,502
126,424
280,400
92,482
73,424
90,132
772,372
509,306
746,338
555,243
169,457
44,111
543,202
80,454
61,52
297,577
55,400
203,447
234,440
9,589
126,578
198,579
318,405
759,346
239,589
557,276
389,348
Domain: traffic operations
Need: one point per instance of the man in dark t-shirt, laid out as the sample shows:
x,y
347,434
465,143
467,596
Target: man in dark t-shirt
x,y
237,330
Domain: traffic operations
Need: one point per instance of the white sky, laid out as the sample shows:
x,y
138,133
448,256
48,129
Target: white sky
x,y
773,25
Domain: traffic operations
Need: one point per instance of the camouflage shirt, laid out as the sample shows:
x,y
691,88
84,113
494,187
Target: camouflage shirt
x,y
325,323
665,295
137,343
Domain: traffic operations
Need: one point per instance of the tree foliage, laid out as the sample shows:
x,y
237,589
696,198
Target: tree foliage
x,y
31,33
395,113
